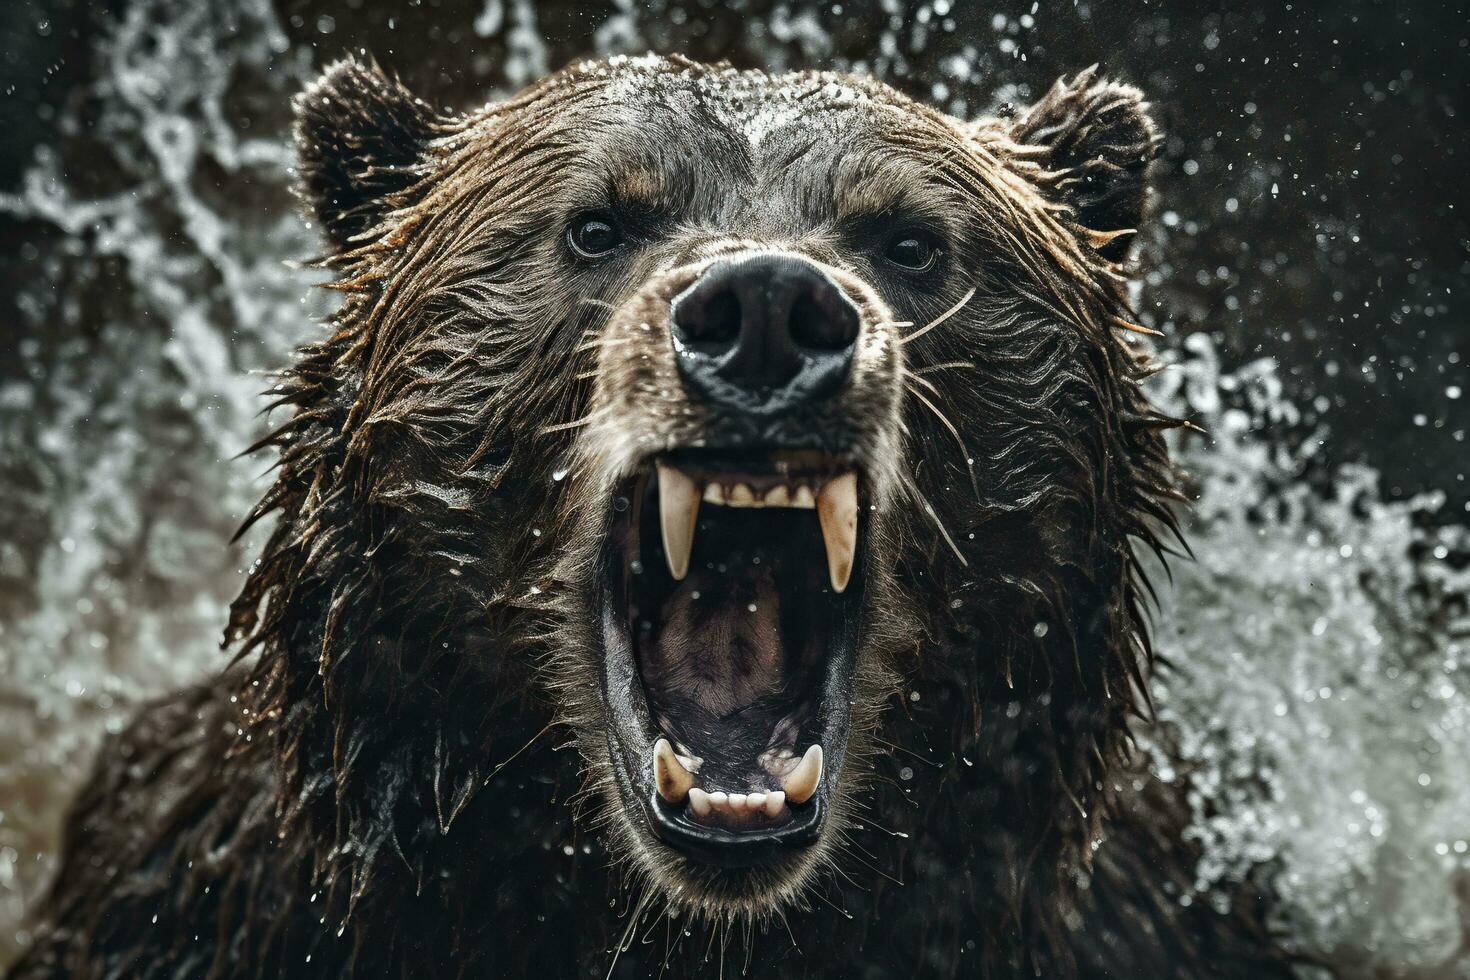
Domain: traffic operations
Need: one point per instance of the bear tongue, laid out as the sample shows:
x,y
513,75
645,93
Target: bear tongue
x,y
719,642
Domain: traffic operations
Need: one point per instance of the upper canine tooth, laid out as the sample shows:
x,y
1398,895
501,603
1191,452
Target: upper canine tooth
x,y
803,497
778,496
837,510
671,779
742,496
801,783
678,506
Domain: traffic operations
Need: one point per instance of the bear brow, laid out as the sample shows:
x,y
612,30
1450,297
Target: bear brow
x,y
879,201
638,186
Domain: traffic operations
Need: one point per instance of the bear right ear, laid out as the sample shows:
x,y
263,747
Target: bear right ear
x,y
360,140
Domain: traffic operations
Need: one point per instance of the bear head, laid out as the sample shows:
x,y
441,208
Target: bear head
x,y
754,427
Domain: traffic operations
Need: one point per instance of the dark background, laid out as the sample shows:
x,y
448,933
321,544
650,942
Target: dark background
x,y
1312,190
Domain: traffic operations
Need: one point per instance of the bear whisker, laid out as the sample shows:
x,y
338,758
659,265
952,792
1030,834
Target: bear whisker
x,y
910,338
947,365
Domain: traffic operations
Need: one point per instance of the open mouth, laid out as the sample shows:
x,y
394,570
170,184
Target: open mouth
x,y
730,616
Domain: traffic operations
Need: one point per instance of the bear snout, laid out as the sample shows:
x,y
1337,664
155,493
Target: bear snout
x,y
764,334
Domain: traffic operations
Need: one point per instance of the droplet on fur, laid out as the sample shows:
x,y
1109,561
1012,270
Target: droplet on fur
x,y
1040,629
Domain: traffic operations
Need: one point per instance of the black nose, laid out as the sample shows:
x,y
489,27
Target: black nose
x,y
764,334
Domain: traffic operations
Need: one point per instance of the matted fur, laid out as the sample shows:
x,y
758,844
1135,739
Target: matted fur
x,y
374,788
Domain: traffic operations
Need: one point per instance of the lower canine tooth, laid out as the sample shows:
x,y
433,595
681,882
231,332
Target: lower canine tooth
x,y
837,510
678,506
671,779
801,784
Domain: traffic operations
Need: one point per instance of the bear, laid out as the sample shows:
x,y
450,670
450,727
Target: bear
x,y
710,536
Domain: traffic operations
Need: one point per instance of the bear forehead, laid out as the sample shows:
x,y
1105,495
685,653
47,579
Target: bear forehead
x,y
750,103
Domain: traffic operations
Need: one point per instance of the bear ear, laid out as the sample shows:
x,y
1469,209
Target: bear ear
x,y
360,140
1093,140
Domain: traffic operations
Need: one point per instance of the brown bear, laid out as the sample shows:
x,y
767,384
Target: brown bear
x,y
707,540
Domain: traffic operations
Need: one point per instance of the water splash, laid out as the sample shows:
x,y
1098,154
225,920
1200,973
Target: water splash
x,y
154,296
1321,682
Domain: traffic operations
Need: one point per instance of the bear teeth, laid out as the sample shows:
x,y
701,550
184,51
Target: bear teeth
x,y
678,499
837,509
801,783
669,775
743,495
675,784
736,806
835,502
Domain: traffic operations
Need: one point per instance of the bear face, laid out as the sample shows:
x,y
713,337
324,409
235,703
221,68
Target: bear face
x,y
713,407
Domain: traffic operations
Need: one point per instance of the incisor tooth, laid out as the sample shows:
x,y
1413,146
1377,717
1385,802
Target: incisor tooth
x,y
742,496
778,496
669,776
714,493
801,783
678,506
837,510
699,802
755,801
803,497
737,802
773,804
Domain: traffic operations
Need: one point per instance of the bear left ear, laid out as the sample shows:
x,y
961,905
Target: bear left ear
x,y
1093,140
360,141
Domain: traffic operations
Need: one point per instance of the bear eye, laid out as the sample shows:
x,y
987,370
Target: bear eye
x,y
594,236
912,251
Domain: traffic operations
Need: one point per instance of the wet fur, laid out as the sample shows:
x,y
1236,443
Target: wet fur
x,y
385,782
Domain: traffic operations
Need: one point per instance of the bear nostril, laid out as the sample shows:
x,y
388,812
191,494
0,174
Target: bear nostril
x,y
823,322
716,322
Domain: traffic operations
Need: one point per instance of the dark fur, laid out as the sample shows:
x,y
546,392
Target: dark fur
x,y
375,787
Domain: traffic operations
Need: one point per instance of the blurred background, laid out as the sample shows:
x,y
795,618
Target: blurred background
x,y
1308,263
